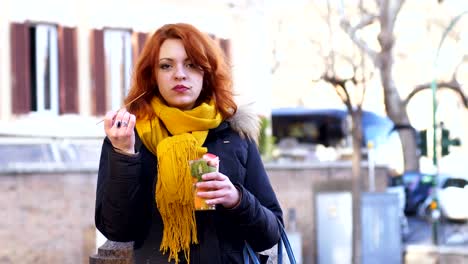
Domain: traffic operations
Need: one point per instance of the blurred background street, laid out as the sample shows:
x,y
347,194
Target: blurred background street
x,y
363,104
452,233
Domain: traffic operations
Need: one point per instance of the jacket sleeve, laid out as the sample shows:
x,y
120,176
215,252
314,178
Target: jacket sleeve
x,y
259,209
117,194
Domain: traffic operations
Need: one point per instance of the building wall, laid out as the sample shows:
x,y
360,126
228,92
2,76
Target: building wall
x,y
228,21
48,217
50,213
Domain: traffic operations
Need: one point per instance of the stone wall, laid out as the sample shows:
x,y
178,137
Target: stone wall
x,y
49,217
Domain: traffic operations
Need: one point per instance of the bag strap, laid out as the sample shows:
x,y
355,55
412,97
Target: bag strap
x,y
249,253
284,240
245,253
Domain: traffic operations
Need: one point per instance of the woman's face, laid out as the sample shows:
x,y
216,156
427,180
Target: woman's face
x,y
179,80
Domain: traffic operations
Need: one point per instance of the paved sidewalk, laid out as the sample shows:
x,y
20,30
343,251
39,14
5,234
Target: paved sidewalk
x,y
453,246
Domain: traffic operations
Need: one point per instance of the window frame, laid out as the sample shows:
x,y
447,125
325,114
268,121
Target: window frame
x,y
50,51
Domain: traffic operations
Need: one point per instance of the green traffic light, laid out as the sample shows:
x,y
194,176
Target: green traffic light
x,y
422,144
446,142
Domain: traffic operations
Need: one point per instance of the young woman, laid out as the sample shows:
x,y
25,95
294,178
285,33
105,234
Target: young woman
x,y
180,107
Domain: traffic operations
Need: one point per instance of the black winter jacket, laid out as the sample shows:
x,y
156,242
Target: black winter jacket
x,y
126,209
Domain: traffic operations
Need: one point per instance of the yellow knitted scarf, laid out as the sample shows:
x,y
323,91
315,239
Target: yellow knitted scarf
x,y
175,137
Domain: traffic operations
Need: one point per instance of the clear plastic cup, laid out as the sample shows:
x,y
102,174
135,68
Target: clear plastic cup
x,y
198,168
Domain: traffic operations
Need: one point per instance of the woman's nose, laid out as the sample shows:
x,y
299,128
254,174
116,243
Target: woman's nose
x,y
180,73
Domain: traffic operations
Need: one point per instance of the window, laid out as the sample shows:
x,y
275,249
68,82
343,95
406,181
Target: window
x,y
118,51
44,68
112,54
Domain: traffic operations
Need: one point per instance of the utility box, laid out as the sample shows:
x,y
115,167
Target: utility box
x,y
381,228
334,227
294,237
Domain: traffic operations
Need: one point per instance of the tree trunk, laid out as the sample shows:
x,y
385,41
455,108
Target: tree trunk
x,y
410,153
356,131
394,105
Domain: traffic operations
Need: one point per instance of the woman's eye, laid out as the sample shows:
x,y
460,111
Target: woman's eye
x,y
193,66
164,66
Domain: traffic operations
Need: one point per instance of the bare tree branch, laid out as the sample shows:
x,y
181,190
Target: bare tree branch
x,y
363,81
351,31
363,9
367,19
276,63
343,94
339,83
335,81
463,60
321,14
330,58
452,85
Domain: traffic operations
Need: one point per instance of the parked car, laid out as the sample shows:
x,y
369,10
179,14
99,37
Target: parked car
x,y
396,186
418,187
452,193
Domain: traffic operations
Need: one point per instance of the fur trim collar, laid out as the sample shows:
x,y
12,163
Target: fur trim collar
x,y
246,123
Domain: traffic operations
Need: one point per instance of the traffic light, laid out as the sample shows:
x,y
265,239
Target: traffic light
x,y
446,141
422,142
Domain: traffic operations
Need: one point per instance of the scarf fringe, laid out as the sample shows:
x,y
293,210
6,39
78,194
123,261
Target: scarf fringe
x,y
174,194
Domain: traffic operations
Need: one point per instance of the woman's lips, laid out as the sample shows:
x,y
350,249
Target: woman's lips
x,y
180,88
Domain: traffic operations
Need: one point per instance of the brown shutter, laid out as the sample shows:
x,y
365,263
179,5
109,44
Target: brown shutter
x,y
20,68
142,38
68,70
98,73
138,44
226,47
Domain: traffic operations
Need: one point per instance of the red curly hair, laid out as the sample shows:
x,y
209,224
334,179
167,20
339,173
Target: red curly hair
x,y
202,51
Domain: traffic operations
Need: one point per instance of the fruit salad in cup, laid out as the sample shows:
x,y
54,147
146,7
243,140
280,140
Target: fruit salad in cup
x,y
208,163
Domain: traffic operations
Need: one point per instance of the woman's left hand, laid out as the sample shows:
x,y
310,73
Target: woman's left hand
x,y
218,189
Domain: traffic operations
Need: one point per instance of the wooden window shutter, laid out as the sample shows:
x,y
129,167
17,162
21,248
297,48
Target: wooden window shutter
x,y
140,39
20,68
98,73
226,47
68,70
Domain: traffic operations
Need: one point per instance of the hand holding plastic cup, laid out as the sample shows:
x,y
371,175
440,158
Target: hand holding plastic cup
x,y
208,163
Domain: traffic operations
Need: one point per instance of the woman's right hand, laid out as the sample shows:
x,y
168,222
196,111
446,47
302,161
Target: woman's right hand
x,y
119,127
